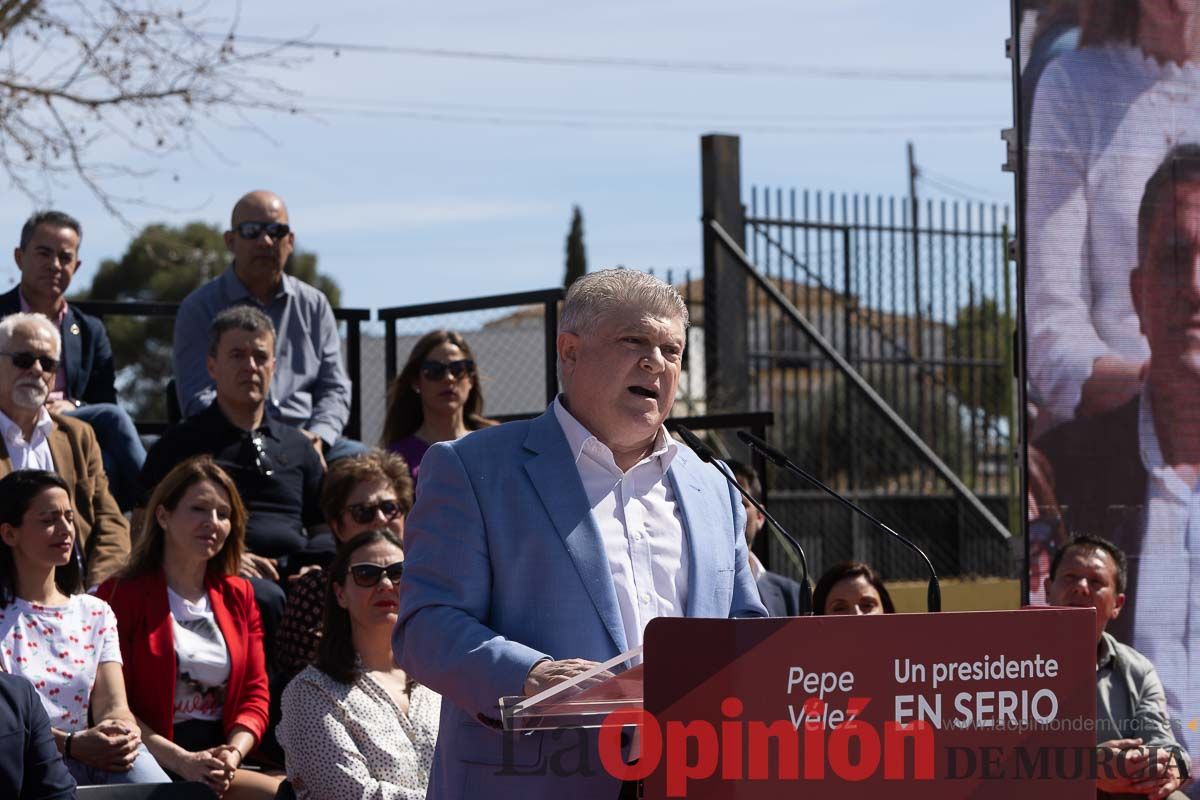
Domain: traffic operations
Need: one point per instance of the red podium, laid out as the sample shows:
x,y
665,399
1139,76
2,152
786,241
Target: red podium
x,y
979,705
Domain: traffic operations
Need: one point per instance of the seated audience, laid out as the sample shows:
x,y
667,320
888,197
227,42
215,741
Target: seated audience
x,y
277,473
780,594
63,642
35,438
435,398
191,635
85,382
851,588
311,390
354,725
1131,707
372,491
30,766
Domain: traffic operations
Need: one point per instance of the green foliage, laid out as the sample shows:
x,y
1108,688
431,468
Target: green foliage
x,y
576,253
981,332
163,264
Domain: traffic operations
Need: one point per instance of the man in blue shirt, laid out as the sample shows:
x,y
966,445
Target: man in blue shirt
x,y
310,390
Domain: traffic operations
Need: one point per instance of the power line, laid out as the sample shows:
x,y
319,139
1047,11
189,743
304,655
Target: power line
x,y
705,116
621,62
631,125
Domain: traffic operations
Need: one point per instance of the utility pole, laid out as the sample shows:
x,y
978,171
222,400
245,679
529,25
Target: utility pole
x,y
914,220
915,345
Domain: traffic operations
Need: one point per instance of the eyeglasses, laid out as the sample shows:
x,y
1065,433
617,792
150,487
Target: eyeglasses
x,y
262,460
26,361
362,513
252,230
368,575
436,370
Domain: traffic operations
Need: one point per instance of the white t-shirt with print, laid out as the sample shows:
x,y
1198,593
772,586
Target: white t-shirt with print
x,y
202,671
59,649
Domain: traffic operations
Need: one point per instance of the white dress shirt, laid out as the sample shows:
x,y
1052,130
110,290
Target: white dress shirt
x,y
34,454
1167,612
640,525
1103,119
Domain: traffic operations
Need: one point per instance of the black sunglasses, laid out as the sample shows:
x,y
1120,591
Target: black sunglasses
x,y
362,513
436,370
26,361
368,575
262,460
252,230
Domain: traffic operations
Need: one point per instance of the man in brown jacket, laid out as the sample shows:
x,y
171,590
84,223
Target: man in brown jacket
x,y
33,438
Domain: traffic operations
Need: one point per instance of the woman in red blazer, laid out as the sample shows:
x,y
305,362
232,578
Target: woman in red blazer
x,y
191,636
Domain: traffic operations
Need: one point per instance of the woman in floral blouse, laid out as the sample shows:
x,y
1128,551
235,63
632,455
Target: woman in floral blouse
x,y
354,725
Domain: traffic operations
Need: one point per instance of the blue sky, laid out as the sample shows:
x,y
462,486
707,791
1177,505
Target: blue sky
x,y
403,208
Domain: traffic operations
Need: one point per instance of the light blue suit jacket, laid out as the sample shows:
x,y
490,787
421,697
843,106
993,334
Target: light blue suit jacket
x,y
504,566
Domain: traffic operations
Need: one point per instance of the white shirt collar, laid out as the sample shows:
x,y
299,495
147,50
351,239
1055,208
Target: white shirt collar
x,y
12,431
1151,451
756,567
579,438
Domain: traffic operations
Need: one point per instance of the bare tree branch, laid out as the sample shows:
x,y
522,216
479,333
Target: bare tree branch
x,y
78,75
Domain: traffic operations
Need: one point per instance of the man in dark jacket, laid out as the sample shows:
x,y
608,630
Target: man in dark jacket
x,y
781,595
30,765
85,385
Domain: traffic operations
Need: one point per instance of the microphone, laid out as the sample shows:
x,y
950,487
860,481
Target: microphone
x,y
706,455
933,600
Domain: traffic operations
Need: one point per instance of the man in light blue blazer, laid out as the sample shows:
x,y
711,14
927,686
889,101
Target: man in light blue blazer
x,y
537,549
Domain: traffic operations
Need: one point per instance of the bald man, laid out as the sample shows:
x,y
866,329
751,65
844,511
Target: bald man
x,y
310,390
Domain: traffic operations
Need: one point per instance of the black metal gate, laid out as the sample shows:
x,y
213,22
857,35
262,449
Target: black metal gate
x,y
884,349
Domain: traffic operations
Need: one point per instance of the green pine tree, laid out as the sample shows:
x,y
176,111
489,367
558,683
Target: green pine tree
x,y
576,254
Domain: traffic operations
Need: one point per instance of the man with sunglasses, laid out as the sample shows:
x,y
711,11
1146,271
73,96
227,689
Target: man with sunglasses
x,y
277,472
538,549
85,382
310,390
37,438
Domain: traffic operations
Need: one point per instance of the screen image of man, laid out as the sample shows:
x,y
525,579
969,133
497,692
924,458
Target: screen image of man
x,y
1131,475
537,549
1132,723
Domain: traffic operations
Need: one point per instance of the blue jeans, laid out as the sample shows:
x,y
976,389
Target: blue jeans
x,y
145,770
120,447
345,448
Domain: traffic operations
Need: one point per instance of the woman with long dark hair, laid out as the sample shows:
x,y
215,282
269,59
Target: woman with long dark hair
x,y
354,725
191,634
64,642
851,588
435,398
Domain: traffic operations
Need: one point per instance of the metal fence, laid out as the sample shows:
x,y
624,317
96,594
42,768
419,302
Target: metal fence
x,y
350,321
883,347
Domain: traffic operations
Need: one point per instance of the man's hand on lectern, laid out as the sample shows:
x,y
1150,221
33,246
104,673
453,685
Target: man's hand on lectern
x,y
546,673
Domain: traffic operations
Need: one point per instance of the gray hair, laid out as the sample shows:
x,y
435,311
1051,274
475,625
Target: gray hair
x,y
597,294
39,322
56,219
239,317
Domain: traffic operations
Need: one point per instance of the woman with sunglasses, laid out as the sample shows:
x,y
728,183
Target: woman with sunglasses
x,y
367,492
435,398
191,635
64,642
354,725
